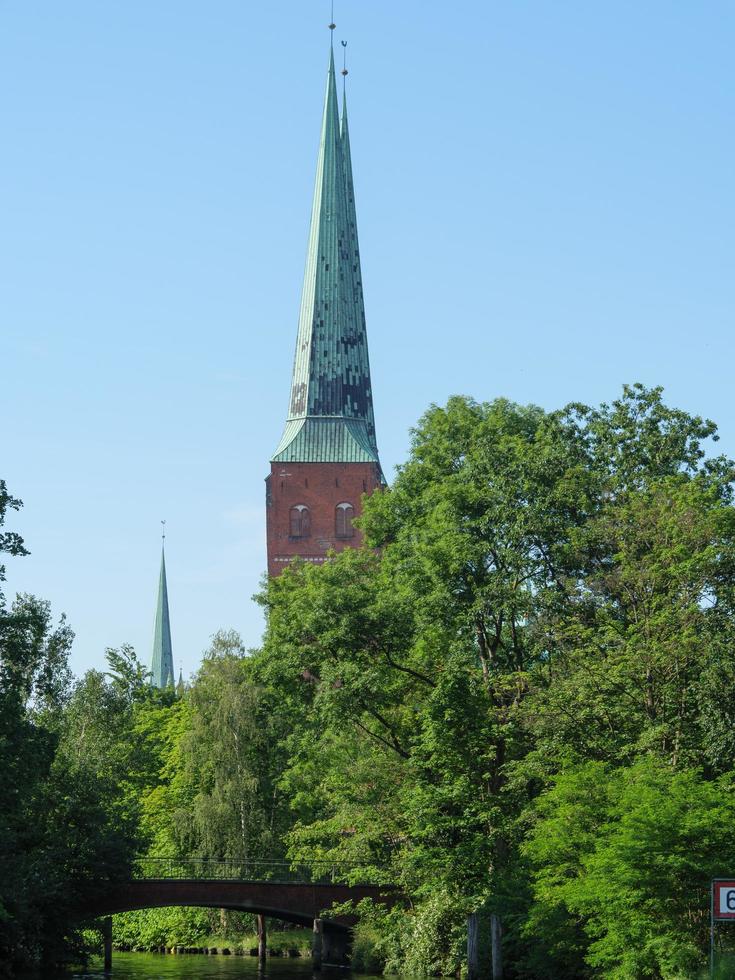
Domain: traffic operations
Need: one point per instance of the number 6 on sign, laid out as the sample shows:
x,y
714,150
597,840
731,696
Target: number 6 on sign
x,y
723,904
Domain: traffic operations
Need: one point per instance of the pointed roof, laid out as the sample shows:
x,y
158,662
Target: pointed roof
x,y
163,660
330,416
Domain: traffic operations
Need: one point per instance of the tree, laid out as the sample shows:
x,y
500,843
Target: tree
x,y
61,826
10,541
422,642
535,591
637,652
62,829
621,864
29,652
229,758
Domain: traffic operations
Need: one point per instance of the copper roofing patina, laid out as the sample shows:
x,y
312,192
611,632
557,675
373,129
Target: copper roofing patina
x,y
330,415
163,659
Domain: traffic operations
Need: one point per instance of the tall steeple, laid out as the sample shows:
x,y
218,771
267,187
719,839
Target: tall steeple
x,y
327,460
330,416
163,660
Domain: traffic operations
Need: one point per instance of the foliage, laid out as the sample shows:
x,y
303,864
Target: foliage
x,y
10,541
622,860
61,827
538,591
168,927
228,755
516,700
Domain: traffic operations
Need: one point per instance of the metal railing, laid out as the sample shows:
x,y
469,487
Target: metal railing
x,y
277,872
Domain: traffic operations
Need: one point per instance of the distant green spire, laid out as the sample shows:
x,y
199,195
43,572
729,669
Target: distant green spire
x,y
163,660
330,416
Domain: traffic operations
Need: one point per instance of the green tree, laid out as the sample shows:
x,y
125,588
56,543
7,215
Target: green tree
x,y
647,633
30,653
11,543
61,827
62,830
422,644
644,636
622,860
536,590
229,758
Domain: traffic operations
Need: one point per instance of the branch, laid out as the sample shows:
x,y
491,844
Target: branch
x,y
383,741
394,743
408,670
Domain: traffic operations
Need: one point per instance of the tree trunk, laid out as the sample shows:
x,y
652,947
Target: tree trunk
x,y
473,971
496,935
107,936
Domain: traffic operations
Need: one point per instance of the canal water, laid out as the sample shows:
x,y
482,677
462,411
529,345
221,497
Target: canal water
x,y
164,966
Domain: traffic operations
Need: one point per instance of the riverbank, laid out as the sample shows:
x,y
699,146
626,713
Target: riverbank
x,y
289,944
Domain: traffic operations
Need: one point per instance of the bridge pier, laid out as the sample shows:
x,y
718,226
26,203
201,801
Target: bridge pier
x,y
262,938
330,947
317,943
107,940
335,947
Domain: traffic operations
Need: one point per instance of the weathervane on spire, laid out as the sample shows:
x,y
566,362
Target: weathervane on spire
x,y
163,530
344,58
332,25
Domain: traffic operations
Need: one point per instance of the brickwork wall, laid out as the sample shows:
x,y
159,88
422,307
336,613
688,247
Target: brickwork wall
x,y
320,487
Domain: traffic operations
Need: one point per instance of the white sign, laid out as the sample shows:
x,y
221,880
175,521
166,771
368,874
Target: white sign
x,y
723,899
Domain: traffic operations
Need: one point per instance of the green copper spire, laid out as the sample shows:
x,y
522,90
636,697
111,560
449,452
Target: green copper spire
x,y
163,660
358,301
330,416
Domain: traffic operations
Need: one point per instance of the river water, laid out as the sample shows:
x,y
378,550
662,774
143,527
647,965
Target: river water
x,y
163,966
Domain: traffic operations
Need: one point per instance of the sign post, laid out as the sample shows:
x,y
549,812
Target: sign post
x,y
722,909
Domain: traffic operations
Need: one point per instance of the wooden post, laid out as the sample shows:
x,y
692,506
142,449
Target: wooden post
x,y
496,939
316,945
472,958
107,938
262,939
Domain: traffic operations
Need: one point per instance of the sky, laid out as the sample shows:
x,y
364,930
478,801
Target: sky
x,y
546,211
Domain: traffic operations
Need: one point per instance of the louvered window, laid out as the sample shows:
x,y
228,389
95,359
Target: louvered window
x,y
343,520
299,521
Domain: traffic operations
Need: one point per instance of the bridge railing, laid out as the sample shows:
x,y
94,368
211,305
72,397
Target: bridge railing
x,y
282,872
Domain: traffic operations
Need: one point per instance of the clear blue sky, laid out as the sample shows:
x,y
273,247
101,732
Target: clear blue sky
x,y
546,210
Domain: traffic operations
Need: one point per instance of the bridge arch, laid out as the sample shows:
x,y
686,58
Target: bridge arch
x,y
285,915
299,903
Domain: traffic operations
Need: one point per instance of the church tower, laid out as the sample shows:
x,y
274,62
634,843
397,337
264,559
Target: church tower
x,y
162,668
328,456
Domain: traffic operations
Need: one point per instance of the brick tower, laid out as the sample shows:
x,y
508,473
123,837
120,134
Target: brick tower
x,y
327,457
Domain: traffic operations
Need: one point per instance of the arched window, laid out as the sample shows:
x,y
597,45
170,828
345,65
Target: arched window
x,y
343,520
299,521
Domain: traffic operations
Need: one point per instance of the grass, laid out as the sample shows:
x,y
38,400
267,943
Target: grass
x,y
724,967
